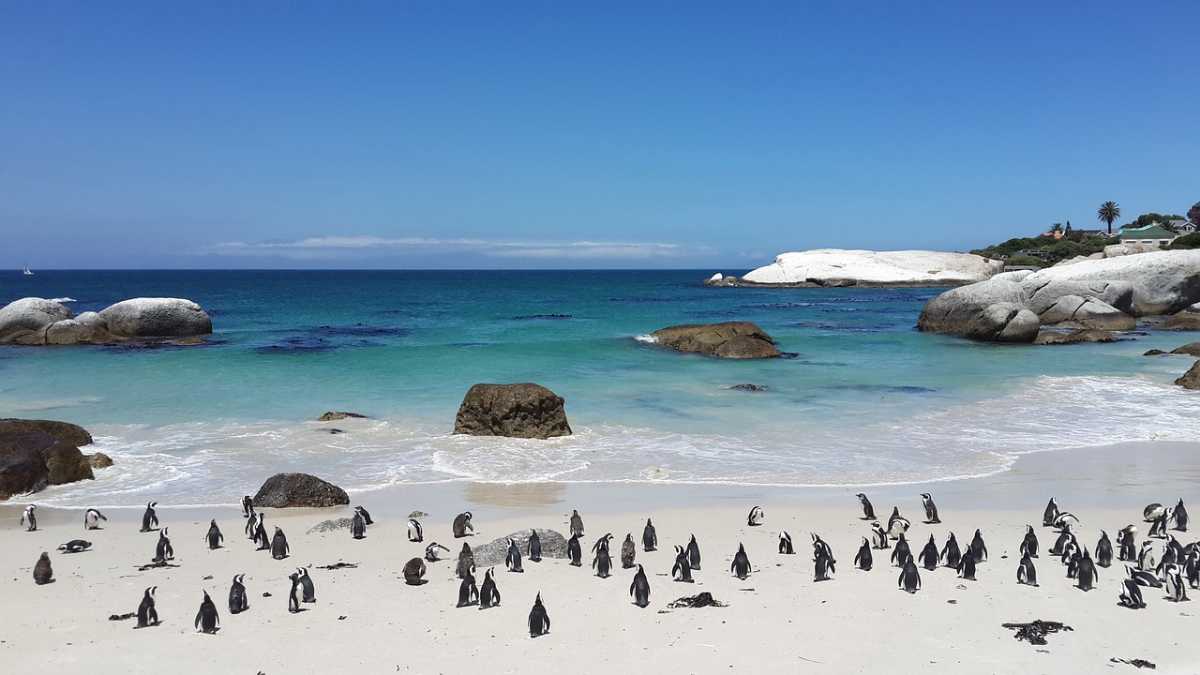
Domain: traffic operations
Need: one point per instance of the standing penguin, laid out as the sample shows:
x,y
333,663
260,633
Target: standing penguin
x,y
1181,517
1104,550
1176,589
785,543
640,588
214,536
306,584
535,546
206,618
489,596
1085,572
42,572
910,578
929,555
365,514
260,534
163,551
29,518
902,552
978,548
693,551
863,558
1050,514
1060,544
1153,511
462,523
1026,573
468,593
966,566
756,516
416,533
879,536
1029,545
150,517
1147,558
741,563
414,571
682,569
252,525
897,524
931,512
867,509
147,614
294,594
628,551
239,601
574,551
358,526
92,518
466,561
1192,568
649,537
279,545
951,555
823,563
1159,528
247,506
539,620
576,523
512,561
602,562
1131,595
1127,550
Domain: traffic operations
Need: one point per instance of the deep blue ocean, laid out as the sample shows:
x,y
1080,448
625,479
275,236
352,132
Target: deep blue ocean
x,y
864,398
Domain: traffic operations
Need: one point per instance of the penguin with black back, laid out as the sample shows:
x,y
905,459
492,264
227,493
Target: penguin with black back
x,y
693,551
239,600
43,573
901,552
279,545
1029,545
414,572
867,509
1050,514
951,555
466,562
785,544
163,551
862,559
150,517
978,548
468,593
576,523
539,620
741,563
682,569
147,613
1026,572
462,523
929,555
649,537
966,566
489,596
575,551
535,547
910,578
1104,550
1085,572
206,619
1181,517
214,536
628,551
640,588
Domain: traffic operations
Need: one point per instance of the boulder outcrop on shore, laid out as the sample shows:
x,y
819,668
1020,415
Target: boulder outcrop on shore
x,y
37,321
38,453
728,340
554,545
523,410
286,490
1190,379
846,267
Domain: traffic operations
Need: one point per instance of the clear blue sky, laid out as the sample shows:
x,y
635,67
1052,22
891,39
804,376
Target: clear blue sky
x,y
503,134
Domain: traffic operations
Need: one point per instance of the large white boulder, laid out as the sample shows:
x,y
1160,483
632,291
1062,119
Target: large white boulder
x,y
842,267
1078,312
1162,282
992,310
25,321
156,317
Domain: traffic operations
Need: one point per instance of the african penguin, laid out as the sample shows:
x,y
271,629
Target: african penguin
x,y
862,559
294,594
279,545
1065,520
462,523
978,548
879,536
693,551
150,517
1050,514
951,553
756,516
1026,573
147,614
489,596
1127,550
1061,542
92,518
682,569
897,524
628,552
468,593
75,546
1181,517
576,523
1148,557
910,578
247,506
966,565
415,531
260,535
539,620
649,537
29,518
1085,573
432,551
931,512
1176,589
741,563
785,544
358,526
901,552
466,561
640,588
414,571
206,618
163,551
574,552
239,600
1153,511
252,525
1029,545
365,514
1131,595
867,509
1104,550
306,583
512,560
823,562
42,572
214,536
929,555
535,546
602,562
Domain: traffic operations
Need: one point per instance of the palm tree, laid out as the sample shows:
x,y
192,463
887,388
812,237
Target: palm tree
x,y
1108,212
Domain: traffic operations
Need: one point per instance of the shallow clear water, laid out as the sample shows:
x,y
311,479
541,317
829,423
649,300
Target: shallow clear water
x,y
864,399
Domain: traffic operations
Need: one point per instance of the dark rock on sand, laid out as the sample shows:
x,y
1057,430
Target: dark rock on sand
x,y
331,525
514,410
1073,337
554,545
285,490
1190,379
728,340
37,453
333,415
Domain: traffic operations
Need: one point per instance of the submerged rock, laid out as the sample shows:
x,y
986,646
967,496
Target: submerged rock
x,y
524,410
749,387
554,545
1074,337
729,340
336,415
284,490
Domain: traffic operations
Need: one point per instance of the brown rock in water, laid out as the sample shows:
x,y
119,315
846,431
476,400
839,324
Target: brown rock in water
x,y
1074,337
1154,352
1190,349
334,415
729,340
284,490
1190,379
1185,320
523,410
99,460
64,431
38,453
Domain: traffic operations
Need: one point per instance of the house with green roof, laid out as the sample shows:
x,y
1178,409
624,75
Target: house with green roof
x,y
1150,235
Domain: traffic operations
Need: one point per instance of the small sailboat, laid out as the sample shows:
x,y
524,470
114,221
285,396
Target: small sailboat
x,y
28,272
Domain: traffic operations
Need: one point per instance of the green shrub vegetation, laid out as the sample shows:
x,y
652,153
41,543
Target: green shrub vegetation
x,y
1045,251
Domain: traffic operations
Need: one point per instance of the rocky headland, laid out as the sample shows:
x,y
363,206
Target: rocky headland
x,y
38,321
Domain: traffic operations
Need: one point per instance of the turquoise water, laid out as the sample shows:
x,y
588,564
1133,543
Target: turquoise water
x,y
862,398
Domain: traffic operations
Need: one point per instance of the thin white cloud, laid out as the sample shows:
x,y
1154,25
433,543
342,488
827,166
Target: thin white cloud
x,y
342,246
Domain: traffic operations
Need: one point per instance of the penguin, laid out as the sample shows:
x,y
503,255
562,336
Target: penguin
x,y
602,562
466,562
150,517
1131,595
628,552
1158,528
931,512
365,514
1072,558
462,523
951,553
1127,550
1152,512
29,518
512,561
1026,572
42,572
1065,520
929,555
306,583
252,525
1175,547
1181,517
1148,557
432,552
260,535
574,552
147,614
901,552
414,571
535,546
1069,550
279,545
294,594
966,566
756,516
649,537
1192,568
910,578
1176,589
163,551
897,524
879,536
693,551
92,518
867,509
539,620
416,533
1143,577
785,544
75,546
1029,545
214,536
862,559
819,546
489,596
358,526
640,588
823,564
978,548
1061,542
247,506
1085,574
1050,514
206,618
468,593
1104,550
239,600
682,570
741,563
576,523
